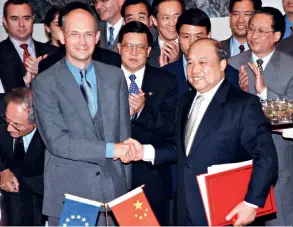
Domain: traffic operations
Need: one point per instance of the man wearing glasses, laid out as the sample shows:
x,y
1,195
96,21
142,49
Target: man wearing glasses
x,y
22,161
152,101
111,22
266,72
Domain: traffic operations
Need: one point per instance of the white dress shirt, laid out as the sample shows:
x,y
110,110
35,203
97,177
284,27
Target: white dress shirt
x,y
30,48
161,42
264,94
139,76
116,27
1,88
234,46
27,139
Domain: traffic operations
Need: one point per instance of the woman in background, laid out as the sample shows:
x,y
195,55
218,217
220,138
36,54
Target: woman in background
x,y
51,26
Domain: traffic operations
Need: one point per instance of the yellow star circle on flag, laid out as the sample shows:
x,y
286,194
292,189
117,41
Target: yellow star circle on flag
x,y
138,205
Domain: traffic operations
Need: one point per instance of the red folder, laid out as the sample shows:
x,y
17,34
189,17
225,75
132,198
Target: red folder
x,y
222,191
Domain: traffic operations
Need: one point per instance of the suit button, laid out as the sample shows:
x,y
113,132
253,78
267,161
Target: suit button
x,y
98,173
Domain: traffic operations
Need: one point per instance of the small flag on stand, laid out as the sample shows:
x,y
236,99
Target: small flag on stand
x,y
79,211
133,209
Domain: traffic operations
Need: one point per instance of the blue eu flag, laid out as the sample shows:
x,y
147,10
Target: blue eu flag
x,y
78,211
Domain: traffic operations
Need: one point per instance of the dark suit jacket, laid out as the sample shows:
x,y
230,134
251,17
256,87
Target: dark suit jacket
x,y
286,45
100,54
154,126
226,46
233,129
12,68
103,43
153,59
183,86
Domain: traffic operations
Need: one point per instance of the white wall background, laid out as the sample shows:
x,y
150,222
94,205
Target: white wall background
x,y
220,26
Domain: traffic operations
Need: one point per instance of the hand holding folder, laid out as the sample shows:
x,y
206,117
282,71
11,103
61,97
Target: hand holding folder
x,y
224,187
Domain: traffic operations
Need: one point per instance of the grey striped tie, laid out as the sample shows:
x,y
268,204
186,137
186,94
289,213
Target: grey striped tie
x,y
191,121
87,92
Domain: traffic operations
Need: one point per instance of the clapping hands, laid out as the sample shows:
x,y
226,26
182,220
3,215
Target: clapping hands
x,y
129,150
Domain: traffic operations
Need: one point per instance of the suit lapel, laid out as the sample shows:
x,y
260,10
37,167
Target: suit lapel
x,y
72,92
271,74
35,149
103,37
12,55
211,115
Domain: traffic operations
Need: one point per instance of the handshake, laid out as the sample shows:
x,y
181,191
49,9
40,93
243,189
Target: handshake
x,y
129,150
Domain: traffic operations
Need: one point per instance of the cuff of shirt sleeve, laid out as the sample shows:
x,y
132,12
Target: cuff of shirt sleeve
x,y
264,94
250,205
110,150
288,133
149,153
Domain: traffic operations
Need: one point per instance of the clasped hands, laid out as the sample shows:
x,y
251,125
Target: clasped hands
x,y
129,150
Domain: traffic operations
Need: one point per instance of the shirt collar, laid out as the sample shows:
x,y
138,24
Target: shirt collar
x,y
139,73
210,94
117,26
161,42
184,65
266,59
76,70
17,43
236,44
288,22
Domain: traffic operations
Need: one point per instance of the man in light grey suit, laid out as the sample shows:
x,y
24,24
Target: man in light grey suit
x,y
111,22
82,112
286,45
269,76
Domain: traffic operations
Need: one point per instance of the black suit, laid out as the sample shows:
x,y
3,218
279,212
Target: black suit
x,y
100,54
25,207
12,68
233,129
153,59
154,126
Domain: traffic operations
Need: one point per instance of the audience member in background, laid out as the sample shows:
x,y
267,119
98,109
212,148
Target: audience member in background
x,y
22,162
19,53
152,101
109,12
165,49
288,8
52,27
193,24
240,12
100,54
268,76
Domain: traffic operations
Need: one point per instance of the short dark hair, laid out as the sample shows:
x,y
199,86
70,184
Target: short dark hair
x,y
194,17
73,6
156,3
256,4
135,27
135,2
22,96
278,21
51,14
14,2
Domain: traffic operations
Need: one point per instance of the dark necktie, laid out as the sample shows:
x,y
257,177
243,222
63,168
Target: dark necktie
x,y
87,92
241,48
26,54
133,88
18,151
259,65
111,38
291,34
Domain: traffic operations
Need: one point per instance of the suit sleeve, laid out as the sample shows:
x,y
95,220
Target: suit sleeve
x,y
54,132
256,138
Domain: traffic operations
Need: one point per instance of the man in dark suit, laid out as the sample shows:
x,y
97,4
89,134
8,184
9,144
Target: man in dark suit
x,y
193,24
21,162
152,101
82,114
164,15
217,124
19,53
286,46
240,12
268,76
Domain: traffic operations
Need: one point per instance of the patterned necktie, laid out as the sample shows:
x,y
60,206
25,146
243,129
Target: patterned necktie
x,y
191,121
18,151
111,38
241,48
133,88
259,65
291,34
26,54
87,92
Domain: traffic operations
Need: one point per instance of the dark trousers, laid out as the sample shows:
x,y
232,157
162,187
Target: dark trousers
x,y
23,208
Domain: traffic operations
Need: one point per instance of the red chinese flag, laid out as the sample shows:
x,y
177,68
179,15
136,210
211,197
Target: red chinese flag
x,y
133,209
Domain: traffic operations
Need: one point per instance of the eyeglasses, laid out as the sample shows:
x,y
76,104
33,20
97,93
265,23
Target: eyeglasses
x,y
139,17
128,47
102,2
76,36
16,126
251,30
